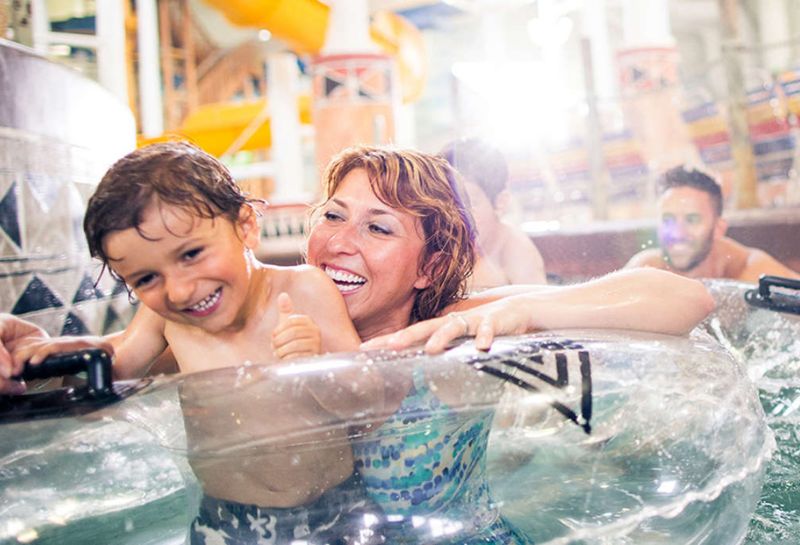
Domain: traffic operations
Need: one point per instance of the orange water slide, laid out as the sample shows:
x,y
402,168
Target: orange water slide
x,y
302,25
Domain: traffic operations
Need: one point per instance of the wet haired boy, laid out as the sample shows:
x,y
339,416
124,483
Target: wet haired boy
x,y
170,222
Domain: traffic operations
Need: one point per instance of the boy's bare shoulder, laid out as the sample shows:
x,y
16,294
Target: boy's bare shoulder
x,y
301,280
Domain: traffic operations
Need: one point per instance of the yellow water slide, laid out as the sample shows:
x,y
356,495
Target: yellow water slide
x,y
301,24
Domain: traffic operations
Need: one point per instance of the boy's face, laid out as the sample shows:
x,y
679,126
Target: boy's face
x,y
187,269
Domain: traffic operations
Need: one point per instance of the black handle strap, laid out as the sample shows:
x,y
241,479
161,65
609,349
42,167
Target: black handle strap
x,y
95,362
786,299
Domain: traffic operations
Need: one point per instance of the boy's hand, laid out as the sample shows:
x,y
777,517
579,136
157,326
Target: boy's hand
x,y
295,335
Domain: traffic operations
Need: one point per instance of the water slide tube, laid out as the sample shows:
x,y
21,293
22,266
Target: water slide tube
x,y
302,25
554,438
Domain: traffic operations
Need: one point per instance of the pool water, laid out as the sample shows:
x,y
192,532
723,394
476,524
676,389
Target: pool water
x,y
769,343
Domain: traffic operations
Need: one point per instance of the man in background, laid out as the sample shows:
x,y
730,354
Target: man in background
x,y
691,233
505,254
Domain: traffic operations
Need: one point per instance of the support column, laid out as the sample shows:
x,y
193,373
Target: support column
x,y
110,28
151,105
356,95
596,28
648,65
744,176
28,18
773,22
287,154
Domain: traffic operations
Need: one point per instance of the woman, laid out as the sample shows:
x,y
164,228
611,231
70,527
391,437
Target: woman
x,y
394,234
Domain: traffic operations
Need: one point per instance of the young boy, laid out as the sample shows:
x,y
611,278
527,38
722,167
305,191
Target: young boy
x,y
505,255
170,222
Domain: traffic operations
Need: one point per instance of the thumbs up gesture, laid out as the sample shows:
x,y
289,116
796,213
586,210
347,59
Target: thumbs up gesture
x,y
295,335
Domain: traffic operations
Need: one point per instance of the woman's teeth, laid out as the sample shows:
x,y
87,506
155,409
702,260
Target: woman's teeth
x,y
345,281
208,302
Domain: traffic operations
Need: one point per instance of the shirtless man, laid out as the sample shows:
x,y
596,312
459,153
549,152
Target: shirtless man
x,y
505,254
691,232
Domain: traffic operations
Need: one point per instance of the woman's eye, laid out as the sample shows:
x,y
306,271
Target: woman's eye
x,y
380,229
332,216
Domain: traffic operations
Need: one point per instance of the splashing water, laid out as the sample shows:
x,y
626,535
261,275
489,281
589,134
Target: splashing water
x,y
769,344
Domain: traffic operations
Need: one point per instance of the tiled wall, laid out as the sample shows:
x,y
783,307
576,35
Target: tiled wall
x,y
50,161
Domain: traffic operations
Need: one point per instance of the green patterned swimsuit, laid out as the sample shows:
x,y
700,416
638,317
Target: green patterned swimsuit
x,y
426,467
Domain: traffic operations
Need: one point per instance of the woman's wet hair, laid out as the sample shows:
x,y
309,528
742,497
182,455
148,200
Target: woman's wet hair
x,y
682,176
480,163
428,188
171,173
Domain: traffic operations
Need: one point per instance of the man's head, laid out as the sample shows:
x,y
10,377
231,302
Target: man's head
x,y
173,174
479,163
690,210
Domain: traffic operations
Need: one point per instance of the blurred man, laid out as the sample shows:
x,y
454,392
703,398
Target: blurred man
x,y
691,233
505,254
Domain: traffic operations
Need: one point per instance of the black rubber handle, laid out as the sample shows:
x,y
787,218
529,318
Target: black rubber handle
x,y
765,282
779,301
95,362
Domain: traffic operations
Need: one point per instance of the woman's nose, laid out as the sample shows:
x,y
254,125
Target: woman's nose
x,y
344,240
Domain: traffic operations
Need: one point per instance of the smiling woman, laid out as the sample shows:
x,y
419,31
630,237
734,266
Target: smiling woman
x,y
395,234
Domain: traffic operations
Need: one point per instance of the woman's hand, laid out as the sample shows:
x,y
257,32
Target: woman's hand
x,y
15,333
508,316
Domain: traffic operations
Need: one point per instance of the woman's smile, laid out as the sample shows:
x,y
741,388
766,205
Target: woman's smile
x,y
346,281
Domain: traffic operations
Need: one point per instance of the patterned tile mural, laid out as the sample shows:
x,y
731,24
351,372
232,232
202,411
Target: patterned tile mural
x,y
52,154
46,274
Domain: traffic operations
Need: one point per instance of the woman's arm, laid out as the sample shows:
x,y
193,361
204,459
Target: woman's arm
x,y
638,299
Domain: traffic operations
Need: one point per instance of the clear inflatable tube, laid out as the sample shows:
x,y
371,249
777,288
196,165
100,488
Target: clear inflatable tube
x,y
767,343
579,436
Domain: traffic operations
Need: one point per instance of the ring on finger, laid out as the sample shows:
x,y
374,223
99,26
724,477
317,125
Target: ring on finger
x,y
463,320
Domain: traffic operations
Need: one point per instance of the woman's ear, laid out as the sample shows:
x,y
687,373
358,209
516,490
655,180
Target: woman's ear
x,y
423,281
426,273
248,227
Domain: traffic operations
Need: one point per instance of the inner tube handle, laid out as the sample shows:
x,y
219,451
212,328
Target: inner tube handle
x,y
94,361
765,282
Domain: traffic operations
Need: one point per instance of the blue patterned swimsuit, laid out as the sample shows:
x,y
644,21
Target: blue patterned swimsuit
x,y
426,467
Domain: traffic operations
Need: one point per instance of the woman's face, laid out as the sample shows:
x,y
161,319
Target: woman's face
x,y
372,252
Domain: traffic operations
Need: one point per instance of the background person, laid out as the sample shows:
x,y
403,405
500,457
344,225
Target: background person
x,y
505,254
691,234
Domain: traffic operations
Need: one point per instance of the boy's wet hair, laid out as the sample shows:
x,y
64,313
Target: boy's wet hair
x,y
171,173
428,188
480,163
681,176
